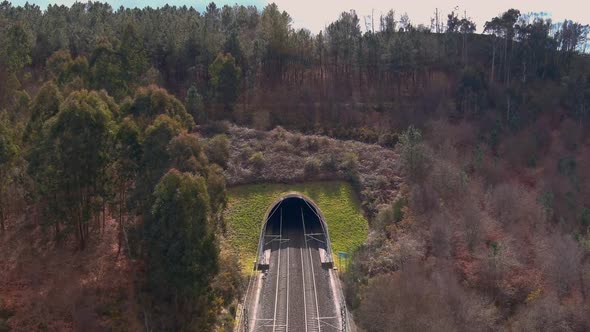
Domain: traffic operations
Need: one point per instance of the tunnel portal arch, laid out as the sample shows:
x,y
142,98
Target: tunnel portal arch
x,y
261,259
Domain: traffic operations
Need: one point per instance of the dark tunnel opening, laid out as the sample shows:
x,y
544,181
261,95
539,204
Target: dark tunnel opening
x,y
291,209
294,222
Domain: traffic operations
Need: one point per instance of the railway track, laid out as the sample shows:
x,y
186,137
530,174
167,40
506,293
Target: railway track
x,y
296,293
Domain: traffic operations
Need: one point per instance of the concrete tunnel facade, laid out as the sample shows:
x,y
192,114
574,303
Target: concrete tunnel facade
x,y
314,224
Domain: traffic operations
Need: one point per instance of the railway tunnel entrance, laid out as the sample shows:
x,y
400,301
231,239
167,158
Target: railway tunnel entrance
x,y
296,218
297,290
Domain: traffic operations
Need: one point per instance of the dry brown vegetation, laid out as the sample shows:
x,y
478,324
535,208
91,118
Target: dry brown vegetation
x,y
422,298
287,157
49,287
477,232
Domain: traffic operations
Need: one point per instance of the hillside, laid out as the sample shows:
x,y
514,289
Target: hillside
x,y
49,287
129,135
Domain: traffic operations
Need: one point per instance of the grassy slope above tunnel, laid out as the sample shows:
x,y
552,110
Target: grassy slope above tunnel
x,y
248,203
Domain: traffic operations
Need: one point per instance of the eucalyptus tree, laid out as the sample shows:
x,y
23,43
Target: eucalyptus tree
x,y
107,69
218,150
8,154
71,159
535,45
151,102
155,158
569,37
187,154
181,253
466,27
509,19
504,25
159,117
44,106
494,28
124,170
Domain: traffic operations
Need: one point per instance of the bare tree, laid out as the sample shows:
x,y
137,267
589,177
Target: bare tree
x,y
416,300
440,235
512,204
548,314
560,256
472,224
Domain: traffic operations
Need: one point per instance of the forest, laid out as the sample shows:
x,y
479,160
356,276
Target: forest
x,y
118,129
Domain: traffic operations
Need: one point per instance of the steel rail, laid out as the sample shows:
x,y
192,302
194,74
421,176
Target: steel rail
x,y
303,277
274,322
288,267
312,274
324,226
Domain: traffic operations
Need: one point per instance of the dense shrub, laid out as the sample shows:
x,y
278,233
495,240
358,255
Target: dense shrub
x,y
388,140
215,128
283,147
330,162
296,140
350,166
393,213
257,161
312,144
218,150
312,166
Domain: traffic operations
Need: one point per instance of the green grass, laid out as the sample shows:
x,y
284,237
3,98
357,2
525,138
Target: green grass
x,y
248,204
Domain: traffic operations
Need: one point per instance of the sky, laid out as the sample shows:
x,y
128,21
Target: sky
x,y
315,15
